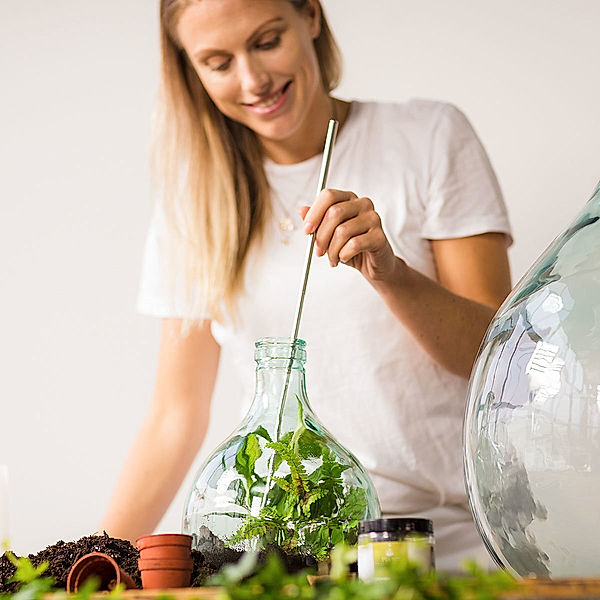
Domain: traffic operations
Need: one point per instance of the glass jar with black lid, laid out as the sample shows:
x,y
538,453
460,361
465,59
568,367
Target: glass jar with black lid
x,y
394,539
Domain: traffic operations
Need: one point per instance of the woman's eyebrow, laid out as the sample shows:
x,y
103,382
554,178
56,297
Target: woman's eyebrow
x,y
260,30
204,53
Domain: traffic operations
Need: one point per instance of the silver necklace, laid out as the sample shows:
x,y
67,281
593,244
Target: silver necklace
x,y
286,224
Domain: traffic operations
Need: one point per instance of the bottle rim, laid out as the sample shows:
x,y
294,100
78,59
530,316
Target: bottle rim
x,y
279,341
280,348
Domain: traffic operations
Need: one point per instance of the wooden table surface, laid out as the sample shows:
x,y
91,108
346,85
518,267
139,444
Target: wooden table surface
x,y
539,589
556,589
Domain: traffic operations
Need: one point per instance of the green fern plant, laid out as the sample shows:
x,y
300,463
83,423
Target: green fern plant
x,y
303,512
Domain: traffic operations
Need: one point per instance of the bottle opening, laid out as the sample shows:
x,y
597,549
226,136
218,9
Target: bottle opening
x,y
280,348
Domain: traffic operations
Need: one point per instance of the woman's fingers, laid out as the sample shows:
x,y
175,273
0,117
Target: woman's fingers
x,y
352,237
325,200
302,210
348,229
337,216
331,210
373,242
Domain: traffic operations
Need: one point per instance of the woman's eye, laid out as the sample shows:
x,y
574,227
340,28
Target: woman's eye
x,y
218,65
269,43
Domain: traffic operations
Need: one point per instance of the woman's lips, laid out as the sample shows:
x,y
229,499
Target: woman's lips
x,y
271,103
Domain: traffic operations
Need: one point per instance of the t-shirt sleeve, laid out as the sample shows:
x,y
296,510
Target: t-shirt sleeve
x,y
161,291
464,195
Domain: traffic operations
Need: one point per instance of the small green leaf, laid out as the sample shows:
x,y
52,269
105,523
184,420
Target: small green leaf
x,y
34,585
246,457
309,444
354,505
273,571
342,556
263,433
90,587
285,485
25,571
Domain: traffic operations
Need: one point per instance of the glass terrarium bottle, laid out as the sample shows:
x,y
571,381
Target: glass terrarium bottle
x,y
281,478
532,428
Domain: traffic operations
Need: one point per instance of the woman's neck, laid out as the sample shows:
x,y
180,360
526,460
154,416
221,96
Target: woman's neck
x,y
309,141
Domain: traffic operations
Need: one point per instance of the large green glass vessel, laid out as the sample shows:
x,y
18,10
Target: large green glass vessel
x,y
532,428
281,478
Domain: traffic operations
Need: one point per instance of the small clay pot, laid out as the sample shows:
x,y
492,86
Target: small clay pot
x,y
165,573
165,545
101,566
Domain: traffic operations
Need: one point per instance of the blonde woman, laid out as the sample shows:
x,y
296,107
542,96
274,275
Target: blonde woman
x,y
410,264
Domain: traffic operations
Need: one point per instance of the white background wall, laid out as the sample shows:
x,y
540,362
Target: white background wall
x,y
77,83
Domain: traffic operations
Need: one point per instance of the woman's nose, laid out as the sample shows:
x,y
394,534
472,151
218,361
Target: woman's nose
x,y
255,78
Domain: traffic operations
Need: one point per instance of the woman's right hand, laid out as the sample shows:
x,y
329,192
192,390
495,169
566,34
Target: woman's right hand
x,y
348,229
171,434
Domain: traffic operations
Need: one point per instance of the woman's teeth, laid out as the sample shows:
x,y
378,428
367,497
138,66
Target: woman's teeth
x,y
272,100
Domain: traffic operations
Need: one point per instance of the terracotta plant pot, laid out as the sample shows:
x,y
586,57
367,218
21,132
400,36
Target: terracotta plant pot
x,y
165,545
165,573
101,566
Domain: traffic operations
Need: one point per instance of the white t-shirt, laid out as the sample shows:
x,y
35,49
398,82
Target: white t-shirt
x,y
428,176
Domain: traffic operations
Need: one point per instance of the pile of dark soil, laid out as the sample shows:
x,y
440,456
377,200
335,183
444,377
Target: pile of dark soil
x,y
63,555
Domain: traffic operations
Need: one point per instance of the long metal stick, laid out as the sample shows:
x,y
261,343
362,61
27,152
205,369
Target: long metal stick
x,y
327,151
329,141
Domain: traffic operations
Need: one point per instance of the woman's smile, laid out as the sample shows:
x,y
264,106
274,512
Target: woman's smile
x,y
270,103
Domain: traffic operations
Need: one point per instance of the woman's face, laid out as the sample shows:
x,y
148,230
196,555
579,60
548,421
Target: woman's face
x,y
257,62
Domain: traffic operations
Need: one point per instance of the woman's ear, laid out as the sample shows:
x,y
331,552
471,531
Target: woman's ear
x,y
313,11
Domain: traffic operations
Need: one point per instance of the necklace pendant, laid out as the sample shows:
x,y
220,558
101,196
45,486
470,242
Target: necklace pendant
x,y
286,224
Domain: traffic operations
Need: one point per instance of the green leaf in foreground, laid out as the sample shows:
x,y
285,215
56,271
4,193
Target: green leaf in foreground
x,y
25,571
404,581
34,584
269,582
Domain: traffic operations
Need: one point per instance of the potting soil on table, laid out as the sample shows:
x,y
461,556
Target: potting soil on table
x,y
63,555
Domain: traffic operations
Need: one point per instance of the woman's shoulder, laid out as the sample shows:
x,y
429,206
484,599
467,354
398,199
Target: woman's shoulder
x,y
415,117
413,124
412,109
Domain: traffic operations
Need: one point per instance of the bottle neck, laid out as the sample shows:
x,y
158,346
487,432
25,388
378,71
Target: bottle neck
x,y
276,377
273,381
280,385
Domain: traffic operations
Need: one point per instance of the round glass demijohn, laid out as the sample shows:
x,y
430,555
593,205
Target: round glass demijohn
x,y
532,427
281,478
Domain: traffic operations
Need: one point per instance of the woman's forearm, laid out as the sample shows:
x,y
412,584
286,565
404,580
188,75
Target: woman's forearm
x,y
162,453
448,321
172,432
448,327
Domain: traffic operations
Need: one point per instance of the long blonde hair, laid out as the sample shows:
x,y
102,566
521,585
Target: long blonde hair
x,y
210,174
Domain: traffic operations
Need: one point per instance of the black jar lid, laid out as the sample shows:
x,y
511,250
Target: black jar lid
x,y
396,524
